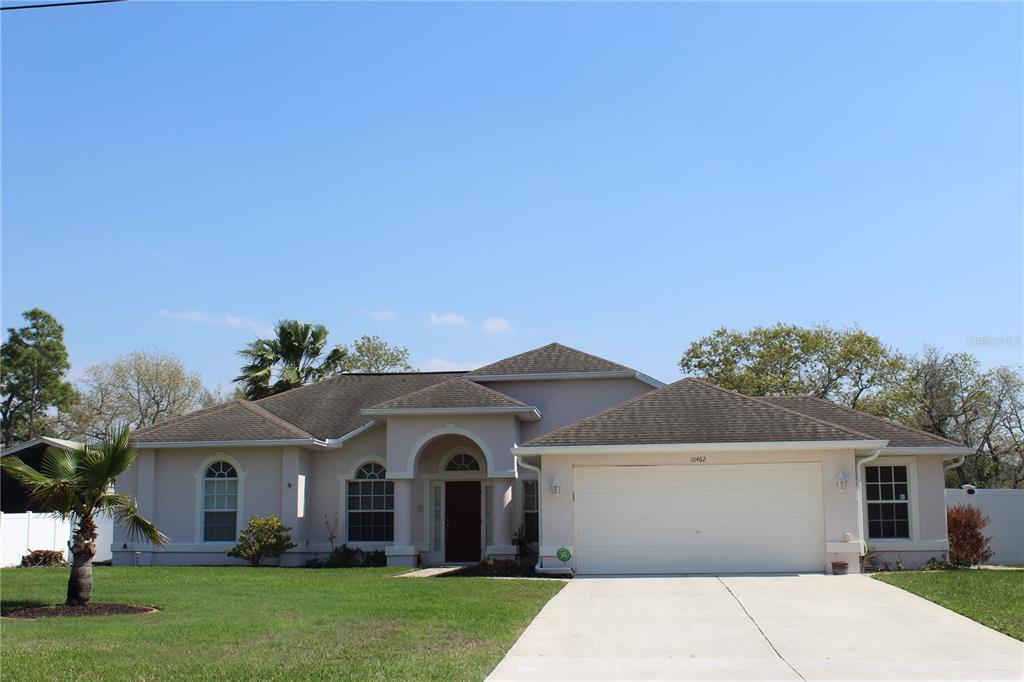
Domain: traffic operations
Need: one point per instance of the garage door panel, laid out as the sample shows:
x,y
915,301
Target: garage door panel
x,y
679,519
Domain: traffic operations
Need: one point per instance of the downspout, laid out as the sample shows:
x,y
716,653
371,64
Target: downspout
x,y
871,457
957,461
538,569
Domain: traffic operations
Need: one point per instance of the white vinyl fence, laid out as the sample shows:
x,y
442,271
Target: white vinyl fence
x,y
22,533
1005,511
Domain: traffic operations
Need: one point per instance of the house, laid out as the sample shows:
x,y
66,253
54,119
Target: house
x,y
574,452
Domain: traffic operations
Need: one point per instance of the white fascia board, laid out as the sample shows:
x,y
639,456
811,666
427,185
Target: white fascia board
x,y
52,442
669,448
566,376
333,443
524,413
944,450
166,445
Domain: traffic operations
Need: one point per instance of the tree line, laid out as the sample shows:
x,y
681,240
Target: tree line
x,y
947,394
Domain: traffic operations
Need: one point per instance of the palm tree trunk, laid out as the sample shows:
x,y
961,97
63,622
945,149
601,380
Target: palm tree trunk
x,y
83,549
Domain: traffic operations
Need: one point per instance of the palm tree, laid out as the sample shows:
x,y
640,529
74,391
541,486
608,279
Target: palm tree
x,y
295,355
77,485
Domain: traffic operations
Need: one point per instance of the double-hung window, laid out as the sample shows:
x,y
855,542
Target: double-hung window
x,y
371,505
220,503
887,490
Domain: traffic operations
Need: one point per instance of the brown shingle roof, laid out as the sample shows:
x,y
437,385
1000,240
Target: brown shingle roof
x,y
694,411
238,420
897,434
454,393
553,358
333,407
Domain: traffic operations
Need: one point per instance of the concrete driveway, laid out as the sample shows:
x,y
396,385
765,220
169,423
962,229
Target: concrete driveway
x,y
806,627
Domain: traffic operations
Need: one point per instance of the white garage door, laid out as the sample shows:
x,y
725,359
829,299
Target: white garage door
x,y
698,519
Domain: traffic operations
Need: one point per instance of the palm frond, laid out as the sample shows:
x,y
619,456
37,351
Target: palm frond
x,y
100,466
126,513
52,494
60,463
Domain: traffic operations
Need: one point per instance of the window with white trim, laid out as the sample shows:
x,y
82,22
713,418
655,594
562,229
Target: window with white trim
x,y
462,462
220,503
531,512
371,505
887,491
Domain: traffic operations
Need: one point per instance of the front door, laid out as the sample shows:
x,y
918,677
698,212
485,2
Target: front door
x,y
462,521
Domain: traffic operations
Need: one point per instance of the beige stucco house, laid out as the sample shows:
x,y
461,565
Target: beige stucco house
x,y
574,452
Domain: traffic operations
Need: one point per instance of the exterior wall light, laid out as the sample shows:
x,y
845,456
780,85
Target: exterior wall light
x,y
841,481
556,486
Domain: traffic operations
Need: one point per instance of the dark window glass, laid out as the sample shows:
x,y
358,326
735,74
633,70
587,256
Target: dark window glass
x,y
371,504
888,495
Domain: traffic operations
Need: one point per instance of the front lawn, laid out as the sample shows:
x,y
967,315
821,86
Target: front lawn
x,y
267,623
993,598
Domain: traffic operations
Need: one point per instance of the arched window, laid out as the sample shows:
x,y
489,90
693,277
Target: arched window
x,y
371,505
220,503
462,462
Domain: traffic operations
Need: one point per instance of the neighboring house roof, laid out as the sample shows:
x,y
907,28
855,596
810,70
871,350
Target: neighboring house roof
x,y
238,420
898,435
457,392
553,358
695,411
45,441
333,407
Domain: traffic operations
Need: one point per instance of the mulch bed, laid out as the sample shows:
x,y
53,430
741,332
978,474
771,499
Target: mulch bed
x,y
91,609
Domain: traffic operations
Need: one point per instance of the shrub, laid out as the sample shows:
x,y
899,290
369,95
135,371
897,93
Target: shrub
x,y
44,557
264,538
934,564
967,545
349,557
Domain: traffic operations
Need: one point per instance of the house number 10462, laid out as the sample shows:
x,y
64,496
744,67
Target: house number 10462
x,y
700,459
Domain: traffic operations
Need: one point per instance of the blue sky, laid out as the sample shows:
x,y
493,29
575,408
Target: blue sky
x,y
621,178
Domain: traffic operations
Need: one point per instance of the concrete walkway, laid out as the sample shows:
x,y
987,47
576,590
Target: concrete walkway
x,y
807,627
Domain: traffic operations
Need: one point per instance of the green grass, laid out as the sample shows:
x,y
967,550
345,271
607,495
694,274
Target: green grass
x,y
267,623
993,598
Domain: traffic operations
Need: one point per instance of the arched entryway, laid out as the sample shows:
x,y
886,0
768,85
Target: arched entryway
x,y
457,499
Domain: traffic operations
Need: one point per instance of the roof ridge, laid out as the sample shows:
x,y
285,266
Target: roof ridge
x,y
760,400
354,374
264,413
890,422
549,345
461,379
182,418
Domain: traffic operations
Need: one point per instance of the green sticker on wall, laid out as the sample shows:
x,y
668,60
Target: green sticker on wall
x,y
563,554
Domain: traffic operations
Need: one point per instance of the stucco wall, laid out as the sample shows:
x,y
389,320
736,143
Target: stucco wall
x,y
565,401
840,508
166,484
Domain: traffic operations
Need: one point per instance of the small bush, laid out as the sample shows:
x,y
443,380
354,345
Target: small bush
x,y
967,545
264,538
349,557
43,557
934,564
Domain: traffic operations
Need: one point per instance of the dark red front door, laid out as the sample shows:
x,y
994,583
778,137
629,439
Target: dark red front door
x,y
462,521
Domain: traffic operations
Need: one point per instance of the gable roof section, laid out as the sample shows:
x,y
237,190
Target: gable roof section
x,y
454,393
899,436
238,420
333,407
692,411
553,358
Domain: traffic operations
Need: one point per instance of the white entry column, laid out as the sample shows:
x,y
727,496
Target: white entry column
x,y
403,551
503,518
